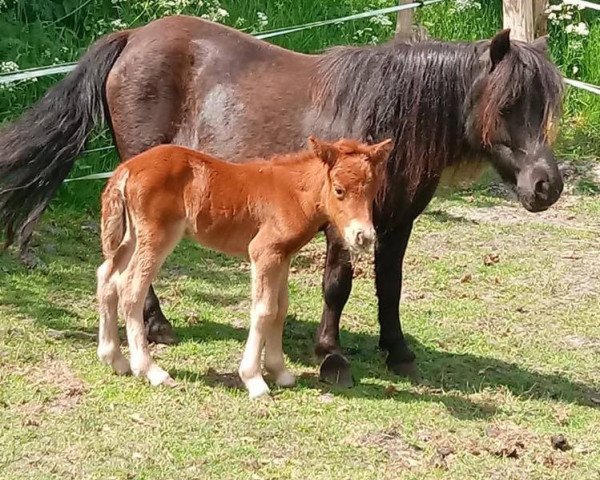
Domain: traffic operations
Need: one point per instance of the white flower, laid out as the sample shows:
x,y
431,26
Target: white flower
x,y
118,24
382,20
10,66
466,4
263,20
222,12
578,29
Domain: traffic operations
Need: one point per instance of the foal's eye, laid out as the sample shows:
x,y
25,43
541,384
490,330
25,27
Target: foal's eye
x,y
339,192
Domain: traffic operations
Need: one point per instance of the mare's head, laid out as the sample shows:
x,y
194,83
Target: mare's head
x,y
512,115
354,173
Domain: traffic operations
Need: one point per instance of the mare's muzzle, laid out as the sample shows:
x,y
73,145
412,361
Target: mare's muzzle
x,y
539,184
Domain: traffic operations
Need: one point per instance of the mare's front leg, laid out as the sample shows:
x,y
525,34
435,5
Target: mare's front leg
x,y
389,255
337,284
158,328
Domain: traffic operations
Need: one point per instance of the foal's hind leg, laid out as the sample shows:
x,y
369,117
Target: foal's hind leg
x,y
109,348
274,360
150,252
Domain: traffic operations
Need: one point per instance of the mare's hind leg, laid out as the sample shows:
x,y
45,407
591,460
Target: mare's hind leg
x,y
337,284
158,328
109,348
274,360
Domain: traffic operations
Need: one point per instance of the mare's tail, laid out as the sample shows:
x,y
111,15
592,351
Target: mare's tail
x,y
38,150
115,218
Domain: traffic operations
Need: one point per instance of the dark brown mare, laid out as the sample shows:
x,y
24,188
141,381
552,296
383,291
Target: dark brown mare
x,y
190,82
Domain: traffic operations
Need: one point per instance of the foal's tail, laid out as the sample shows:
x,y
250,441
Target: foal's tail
x,y
115,218
39,149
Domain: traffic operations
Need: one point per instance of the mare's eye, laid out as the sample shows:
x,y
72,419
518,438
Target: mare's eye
x,y
339,192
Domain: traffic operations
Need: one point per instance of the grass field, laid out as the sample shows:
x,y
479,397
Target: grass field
x,y
502,308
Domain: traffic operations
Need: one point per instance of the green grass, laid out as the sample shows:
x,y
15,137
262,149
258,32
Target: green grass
x,y
508,354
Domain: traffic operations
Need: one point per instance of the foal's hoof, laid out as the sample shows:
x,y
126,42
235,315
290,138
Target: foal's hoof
x,y
335,369
157,376
121,366
257,388
285,379
159,330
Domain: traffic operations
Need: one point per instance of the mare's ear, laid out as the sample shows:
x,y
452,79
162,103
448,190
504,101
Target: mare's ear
x,y
499,47
541,44
325,151
380,151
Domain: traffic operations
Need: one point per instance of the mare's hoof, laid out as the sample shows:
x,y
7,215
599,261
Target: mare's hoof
x,y
335,369
405,369
160,331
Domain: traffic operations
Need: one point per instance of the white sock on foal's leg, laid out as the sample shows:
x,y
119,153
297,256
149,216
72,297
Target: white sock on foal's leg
x,y
109,347
274,360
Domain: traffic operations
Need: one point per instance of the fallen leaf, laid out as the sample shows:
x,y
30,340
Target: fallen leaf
x,y
466,278
390,391
491,259
559,442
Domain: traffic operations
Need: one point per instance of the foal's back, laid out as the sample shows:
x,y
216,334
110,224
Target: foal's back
x,y
220,204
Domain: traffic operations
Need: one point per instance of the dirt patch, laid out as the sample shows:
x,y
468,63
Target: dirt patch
x,y
395,446
559,215
58,376
226,379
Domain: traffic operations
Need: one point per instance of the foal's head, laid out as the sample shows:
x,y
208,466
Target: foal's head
x,y
355,172
514,111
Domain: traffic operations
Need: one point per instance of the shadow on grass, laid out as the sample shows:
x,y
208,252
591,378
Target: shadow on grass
x,y
440,371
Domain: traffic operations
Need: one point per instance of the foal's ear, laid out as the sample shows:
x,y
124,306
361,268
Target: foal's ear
x,y
541,44
499,47
325,151
381,151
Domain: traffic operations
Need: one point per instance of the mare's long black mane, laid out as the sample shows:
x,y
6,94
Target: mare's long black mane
x,y
423,94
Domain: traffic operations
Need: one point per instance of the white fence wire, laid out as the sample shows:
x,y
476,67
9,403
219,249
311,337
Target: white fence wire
x,y
28,74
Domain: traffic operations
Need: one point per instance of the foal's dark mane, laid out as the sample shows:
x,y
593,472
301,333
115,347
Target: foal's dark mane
x,y
421,94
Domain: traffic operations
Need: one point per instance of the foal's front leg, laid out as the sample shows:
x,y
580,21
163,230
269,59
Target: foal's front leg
x,y
267,272
274,360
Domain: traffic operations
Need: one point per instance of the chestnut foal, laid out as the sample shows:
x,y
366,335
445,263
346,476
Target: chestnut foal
x,y
263,210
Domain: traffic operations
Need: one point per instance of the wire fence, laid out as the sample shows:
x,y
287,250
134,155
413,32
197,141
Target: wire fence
x,y
28,74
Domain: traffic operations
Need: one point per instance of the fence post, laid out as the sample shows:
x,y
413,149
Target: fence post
x,y
404,22
525,18
541,18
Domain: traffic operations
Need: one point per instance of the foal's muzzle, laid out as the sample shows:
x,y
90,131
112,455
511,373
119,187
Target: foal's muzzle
x,y
359,237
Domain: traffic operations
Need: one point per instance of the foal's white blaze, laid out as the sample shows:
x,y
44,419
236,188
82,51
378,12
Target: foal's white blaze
x,y
358,235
